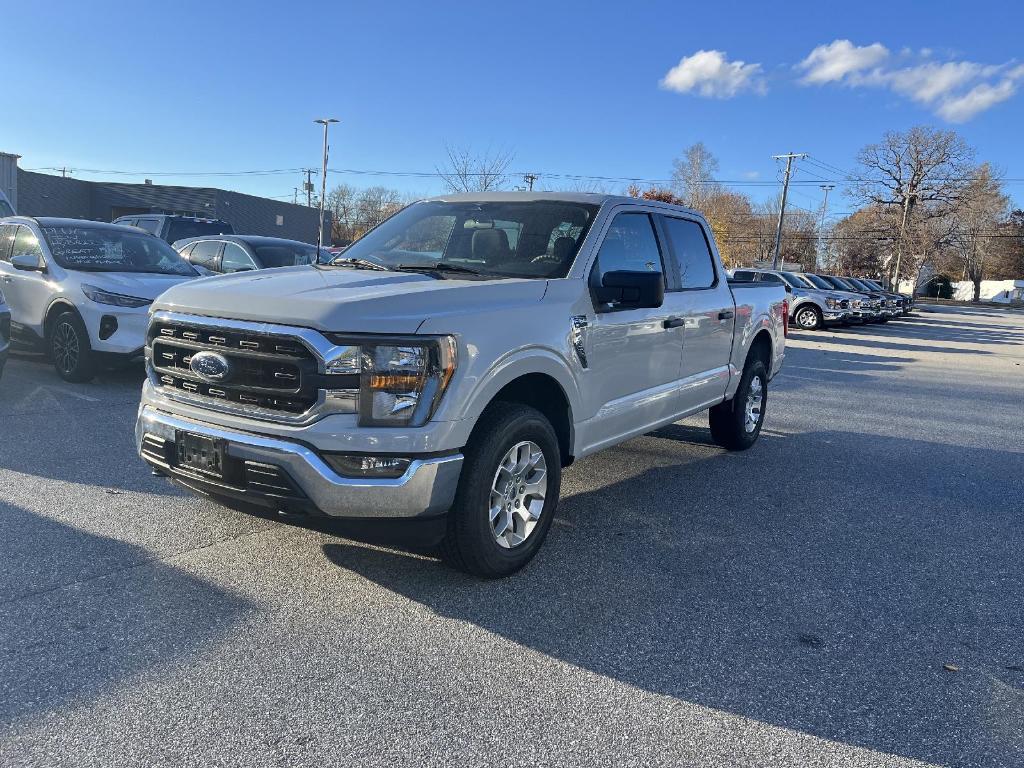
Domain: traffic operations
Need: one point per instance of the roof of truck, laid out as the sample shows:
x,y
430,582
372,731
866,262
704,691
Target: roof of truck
x,y
593,198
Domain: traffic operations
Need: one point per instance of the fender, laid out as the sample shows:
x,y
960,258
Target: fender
x,y
520,362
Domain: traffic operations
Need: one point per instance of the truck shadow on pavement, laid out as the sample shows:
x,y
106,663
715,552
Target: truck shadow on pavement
x,y
81,614
816,596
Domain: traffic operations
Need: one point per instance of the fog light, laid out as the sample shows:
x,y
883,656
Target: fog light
x,y
108,327
368,466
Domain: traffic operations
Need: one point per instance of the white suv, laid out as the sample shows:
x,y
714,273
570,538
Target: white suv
x,y
80,290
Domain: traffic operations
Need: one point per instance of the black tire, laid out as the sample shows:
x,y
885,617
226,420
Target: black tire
x,y
805,313
70,350
728,420
471,543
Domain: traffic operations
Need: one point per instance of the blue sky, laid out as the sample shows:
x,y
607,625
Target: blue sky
x,y
572,88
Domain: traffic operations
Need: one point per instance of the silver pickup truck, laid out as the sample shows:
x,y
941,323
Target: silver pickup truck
x,y
452,361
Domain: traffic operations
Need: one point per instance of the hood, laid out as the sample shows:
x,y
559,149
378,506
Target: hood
x,y
139,284
341,300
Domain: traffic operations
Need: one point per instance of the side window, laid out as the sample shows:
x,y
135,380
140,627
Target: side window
x,y
235,259
26,243
7,233
150,225
691,251
630,245
205,253
126,222
768,277
746,275
186,252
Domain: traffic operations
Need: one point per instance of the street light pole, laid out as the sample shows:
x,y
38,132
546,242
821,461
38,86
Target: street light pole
x,y
325,122
818,260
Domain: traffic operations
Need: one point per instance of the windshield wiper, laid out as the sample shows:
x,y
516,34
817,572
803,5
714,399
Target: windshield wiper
x,y
437,266
358,264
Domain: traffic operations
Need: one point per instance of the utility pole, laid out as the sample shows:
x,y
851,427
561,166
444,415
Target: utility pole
x,y
899,242
782,208
64,172
295,197
529,178
309,186
325,122
818,262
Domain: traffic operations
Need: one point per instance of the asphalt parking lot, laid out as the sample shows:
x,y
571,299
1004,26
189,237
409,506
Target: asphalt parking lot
x,y
792,605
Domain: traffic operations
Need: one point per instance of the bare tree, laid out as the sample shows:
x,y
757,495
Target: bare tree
x,y
980,212
693,175
920,172
466,171
355,211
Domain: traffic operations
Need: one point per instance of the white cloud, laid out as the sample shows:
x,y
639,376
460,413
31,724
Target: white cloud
x,y
955,90
840,59
712,75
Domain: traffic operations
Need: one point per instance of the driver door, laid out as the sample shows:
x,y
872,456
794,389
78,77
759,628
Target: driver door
x,y
633,354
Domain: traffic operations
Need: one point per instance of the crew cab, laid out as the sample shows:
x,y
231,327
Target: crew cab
x,y
452,361
810,308
79,290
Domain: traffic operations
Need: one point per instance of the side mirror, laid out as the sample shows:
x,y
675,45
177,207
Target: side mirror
x,y
28,263
789,288
631,289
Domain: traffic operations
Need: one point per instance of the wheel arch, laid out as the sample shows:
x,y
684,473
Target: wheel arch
x,y
58,307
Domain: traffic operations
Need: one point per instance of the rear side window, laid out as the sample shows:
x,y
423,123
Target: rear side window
x,y
630,245
741,274
235,259
691,252
205,253
768,277
150,225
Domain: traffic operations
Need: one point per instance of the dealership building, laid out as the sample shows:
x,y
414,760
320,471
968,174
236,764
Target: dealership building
x,y
43,194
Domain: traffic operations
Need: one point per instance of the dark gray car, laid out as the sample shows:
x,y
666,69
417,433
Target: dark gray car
x,y
241,253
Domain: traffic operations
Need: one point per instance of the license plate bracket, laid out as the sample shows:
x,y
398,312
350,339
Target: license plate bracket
x,y
200,453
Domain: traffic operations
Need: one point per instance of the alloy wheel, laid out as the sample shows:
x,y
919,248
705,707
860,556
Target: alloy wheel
x,y
806,318
517,494
66,348
753,407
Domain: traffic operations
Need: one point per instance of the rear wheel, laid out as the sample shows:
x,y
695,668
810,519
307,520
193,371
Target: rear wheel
x,y
70,350
808,318
507,492
736,424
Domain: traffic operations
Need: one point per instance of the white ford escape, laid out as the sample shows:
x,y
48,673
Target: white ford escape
x,y
80,290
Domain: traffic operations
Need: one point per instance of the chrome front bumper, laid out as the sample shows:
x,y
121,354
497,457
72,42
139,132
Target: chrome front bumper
x,y
427,487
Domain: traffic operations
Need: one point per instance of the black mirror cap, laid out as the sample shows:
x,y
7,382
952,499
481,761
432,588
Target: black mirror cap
x,y
631,289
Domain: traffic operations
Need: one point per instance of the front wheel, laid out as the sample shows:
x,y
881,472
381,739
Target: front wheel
x,y
809,318
507,493
735,424
70,349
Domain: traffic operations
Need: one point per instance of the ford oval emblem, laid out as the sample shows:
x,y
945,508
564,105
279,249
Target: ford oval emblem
x,y
211,366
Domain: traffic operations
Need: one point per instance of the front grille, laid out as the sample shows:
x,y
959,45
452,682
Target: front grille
x,y
273,373
844,304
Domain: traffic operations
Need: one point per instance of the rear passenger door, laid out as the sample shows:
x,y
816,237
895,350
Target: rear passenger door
x,y
708,311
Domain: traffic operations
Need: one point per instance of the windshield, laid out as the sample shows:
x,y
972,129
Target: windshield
x,y
179,229
842,284
858,284
537,239
875,285
818,282
793,279
285,255
95,249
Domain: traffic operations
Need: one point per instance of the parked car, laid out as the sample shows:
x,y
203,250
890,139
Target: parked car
x,y
241,253
5,332
890,306
80,290
906,301
461,354
858,313
172,228
871,306
810,308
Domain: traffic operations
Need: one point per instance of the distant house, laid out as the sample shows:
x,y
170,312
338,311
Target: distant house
x,y
41,194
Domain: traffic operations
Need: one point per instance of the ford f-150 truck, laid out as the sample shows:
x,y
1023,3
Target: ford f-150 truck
x,y
452,361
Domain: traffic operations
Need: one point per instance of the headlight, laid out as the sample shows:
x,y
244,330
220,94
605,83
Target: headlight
x,y
401,381
831,303
115,299
855,304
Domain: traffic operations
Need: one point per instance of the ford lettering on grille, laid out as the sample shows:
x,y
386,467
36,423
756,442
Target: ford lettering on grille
x,y
211,366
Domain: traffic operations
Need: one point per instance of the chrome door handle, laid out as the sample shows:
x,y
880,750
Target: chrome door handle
x,y
673,322
726,314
